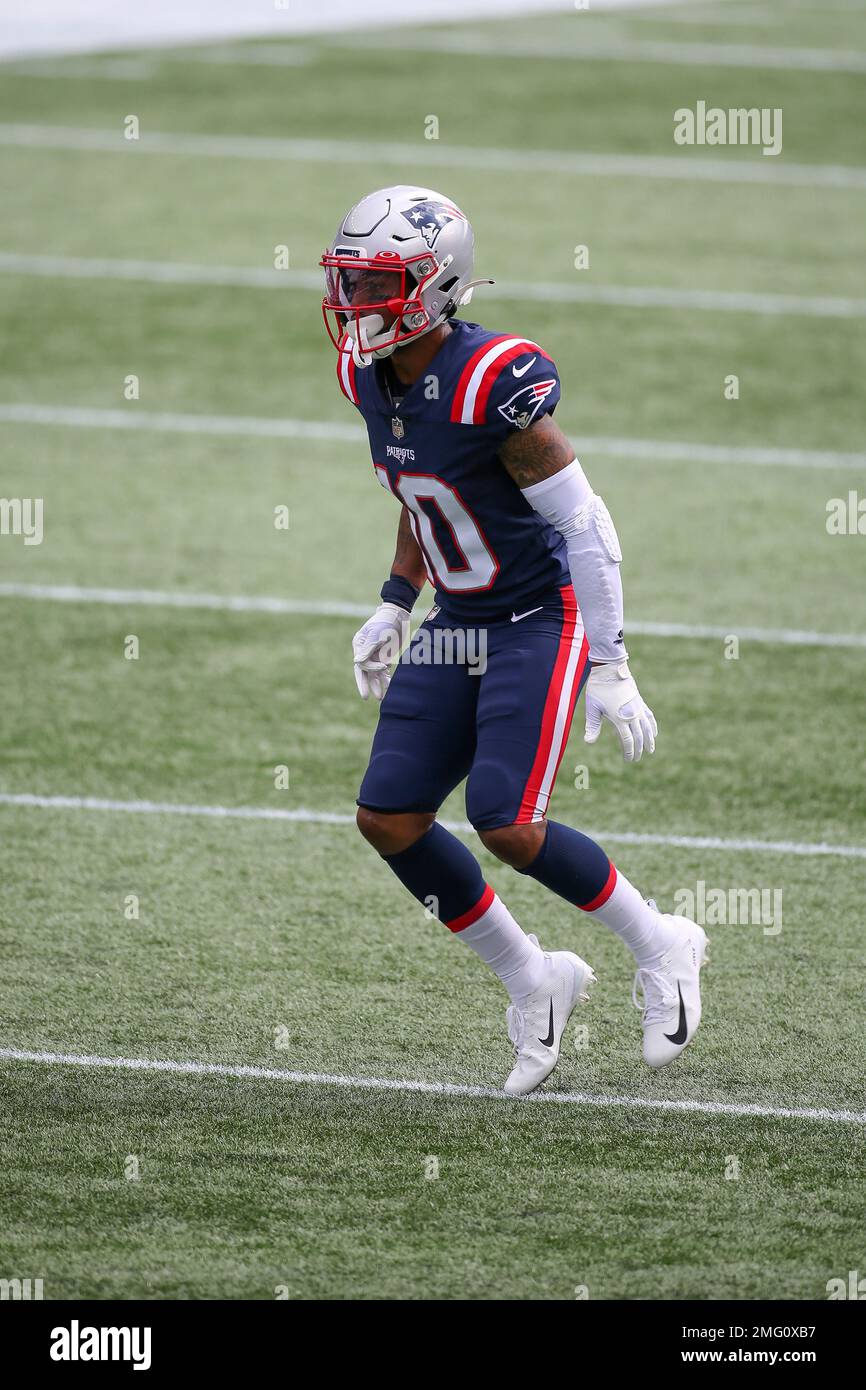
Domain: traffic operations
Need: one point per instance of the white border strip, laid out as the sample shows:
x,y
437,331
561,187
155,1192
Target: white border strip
x,y
324,608
544,292
435,1088
424,155
267,427
302,816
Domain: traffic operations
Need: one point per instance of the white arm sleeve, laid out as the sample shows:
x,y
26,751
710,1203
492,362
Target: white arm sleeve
x,y
568,502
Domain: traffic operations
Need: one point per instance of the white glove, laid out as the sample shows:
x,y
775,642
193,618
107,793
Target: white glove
x,y
376,646
611,693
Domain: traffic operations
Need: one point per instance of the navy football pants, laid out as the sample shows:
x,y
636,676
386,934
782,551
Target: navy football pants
x,y
505,730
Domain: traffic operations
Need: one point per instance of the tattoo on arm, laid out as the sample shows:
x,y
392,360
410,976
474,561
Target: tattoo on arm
x,y
408,560
539,452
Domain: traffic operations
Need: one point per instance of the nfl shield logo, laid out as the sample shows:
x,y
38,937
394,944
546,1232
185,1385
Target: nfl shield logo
x,y
397,427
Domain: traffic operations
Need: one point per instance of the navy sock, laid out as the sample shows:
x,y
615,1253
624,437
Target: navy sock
x,y
574,866
443,875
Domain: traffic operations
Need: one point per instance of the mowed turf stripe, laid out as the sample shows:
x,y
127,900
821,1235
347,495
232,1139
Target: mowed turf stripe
x,y
425,154
289,607
268,427
303,816
261,277
743,1110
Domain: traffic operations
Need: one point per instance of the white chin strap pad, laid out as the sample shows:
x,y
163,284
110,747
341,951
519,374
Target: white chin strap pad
x,y
362,348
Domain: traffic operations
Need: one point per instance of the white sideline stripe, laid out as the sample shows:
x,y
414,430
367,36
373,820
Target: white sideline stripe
x,y
262,427
266,427
435,1088
153,598
677,450
109,69
262,277
159,272
723,55
784,636
324,608
303,816
425,154
663,297
717,55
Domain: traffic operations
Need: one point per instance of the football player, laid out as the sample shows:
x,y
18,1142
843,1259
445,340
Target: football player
x,y
497,512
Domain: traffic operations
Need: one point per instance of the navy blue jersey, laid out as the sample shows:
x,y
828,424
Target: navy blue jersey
x,y
487,552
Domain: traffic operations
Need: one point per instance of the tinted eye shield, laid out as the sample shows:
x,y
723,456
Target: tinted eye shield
x,y
347,275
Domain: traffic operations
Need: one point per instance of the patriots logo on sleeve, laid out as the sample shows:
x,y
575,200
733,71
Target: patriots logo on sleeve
x,y
523,406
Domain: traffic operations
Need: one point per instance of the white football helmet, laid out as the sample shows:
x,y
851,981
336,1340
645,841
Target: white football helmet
x,y
399,265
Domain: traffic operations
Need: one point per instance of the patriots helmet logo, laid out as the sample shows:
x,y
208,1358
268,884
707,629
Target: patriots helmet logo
x,y
428,219
523,406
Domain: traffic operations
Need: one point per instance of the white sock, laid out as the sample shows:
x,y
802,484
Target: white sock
x,y
646,932
504,946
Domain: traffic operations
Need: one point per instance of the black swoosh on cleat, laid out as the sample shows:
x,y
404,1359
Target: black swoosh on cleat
x,y
548,1041
680,1035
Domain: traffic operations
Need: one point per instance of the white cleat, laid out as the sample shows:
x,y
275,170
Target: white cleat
x,y
672,995
536,1026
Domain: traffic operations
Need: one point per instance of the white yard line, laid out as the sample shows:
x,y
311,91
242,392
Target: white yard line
x,y
590,49
773,636
303,816
267,427
427,154
260,427
327,608
153,598
262,277
104,69
433,1088
725,13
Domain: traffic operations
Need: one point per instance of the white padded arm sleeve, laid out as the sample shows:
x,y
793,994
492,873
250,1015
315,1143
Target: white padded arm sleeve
x,y
568,502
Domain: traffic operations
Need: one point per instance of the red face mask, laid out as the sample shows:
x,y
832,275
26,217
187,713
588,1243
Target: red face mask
x,y
383,289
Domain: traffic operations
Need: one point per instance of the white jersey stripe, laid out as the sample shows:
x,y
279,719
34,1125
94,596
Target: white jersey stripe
x,y
481,367
344,369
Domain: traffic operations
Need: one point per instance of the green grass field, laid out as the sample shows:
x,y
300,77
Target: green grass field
x,y
285,943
